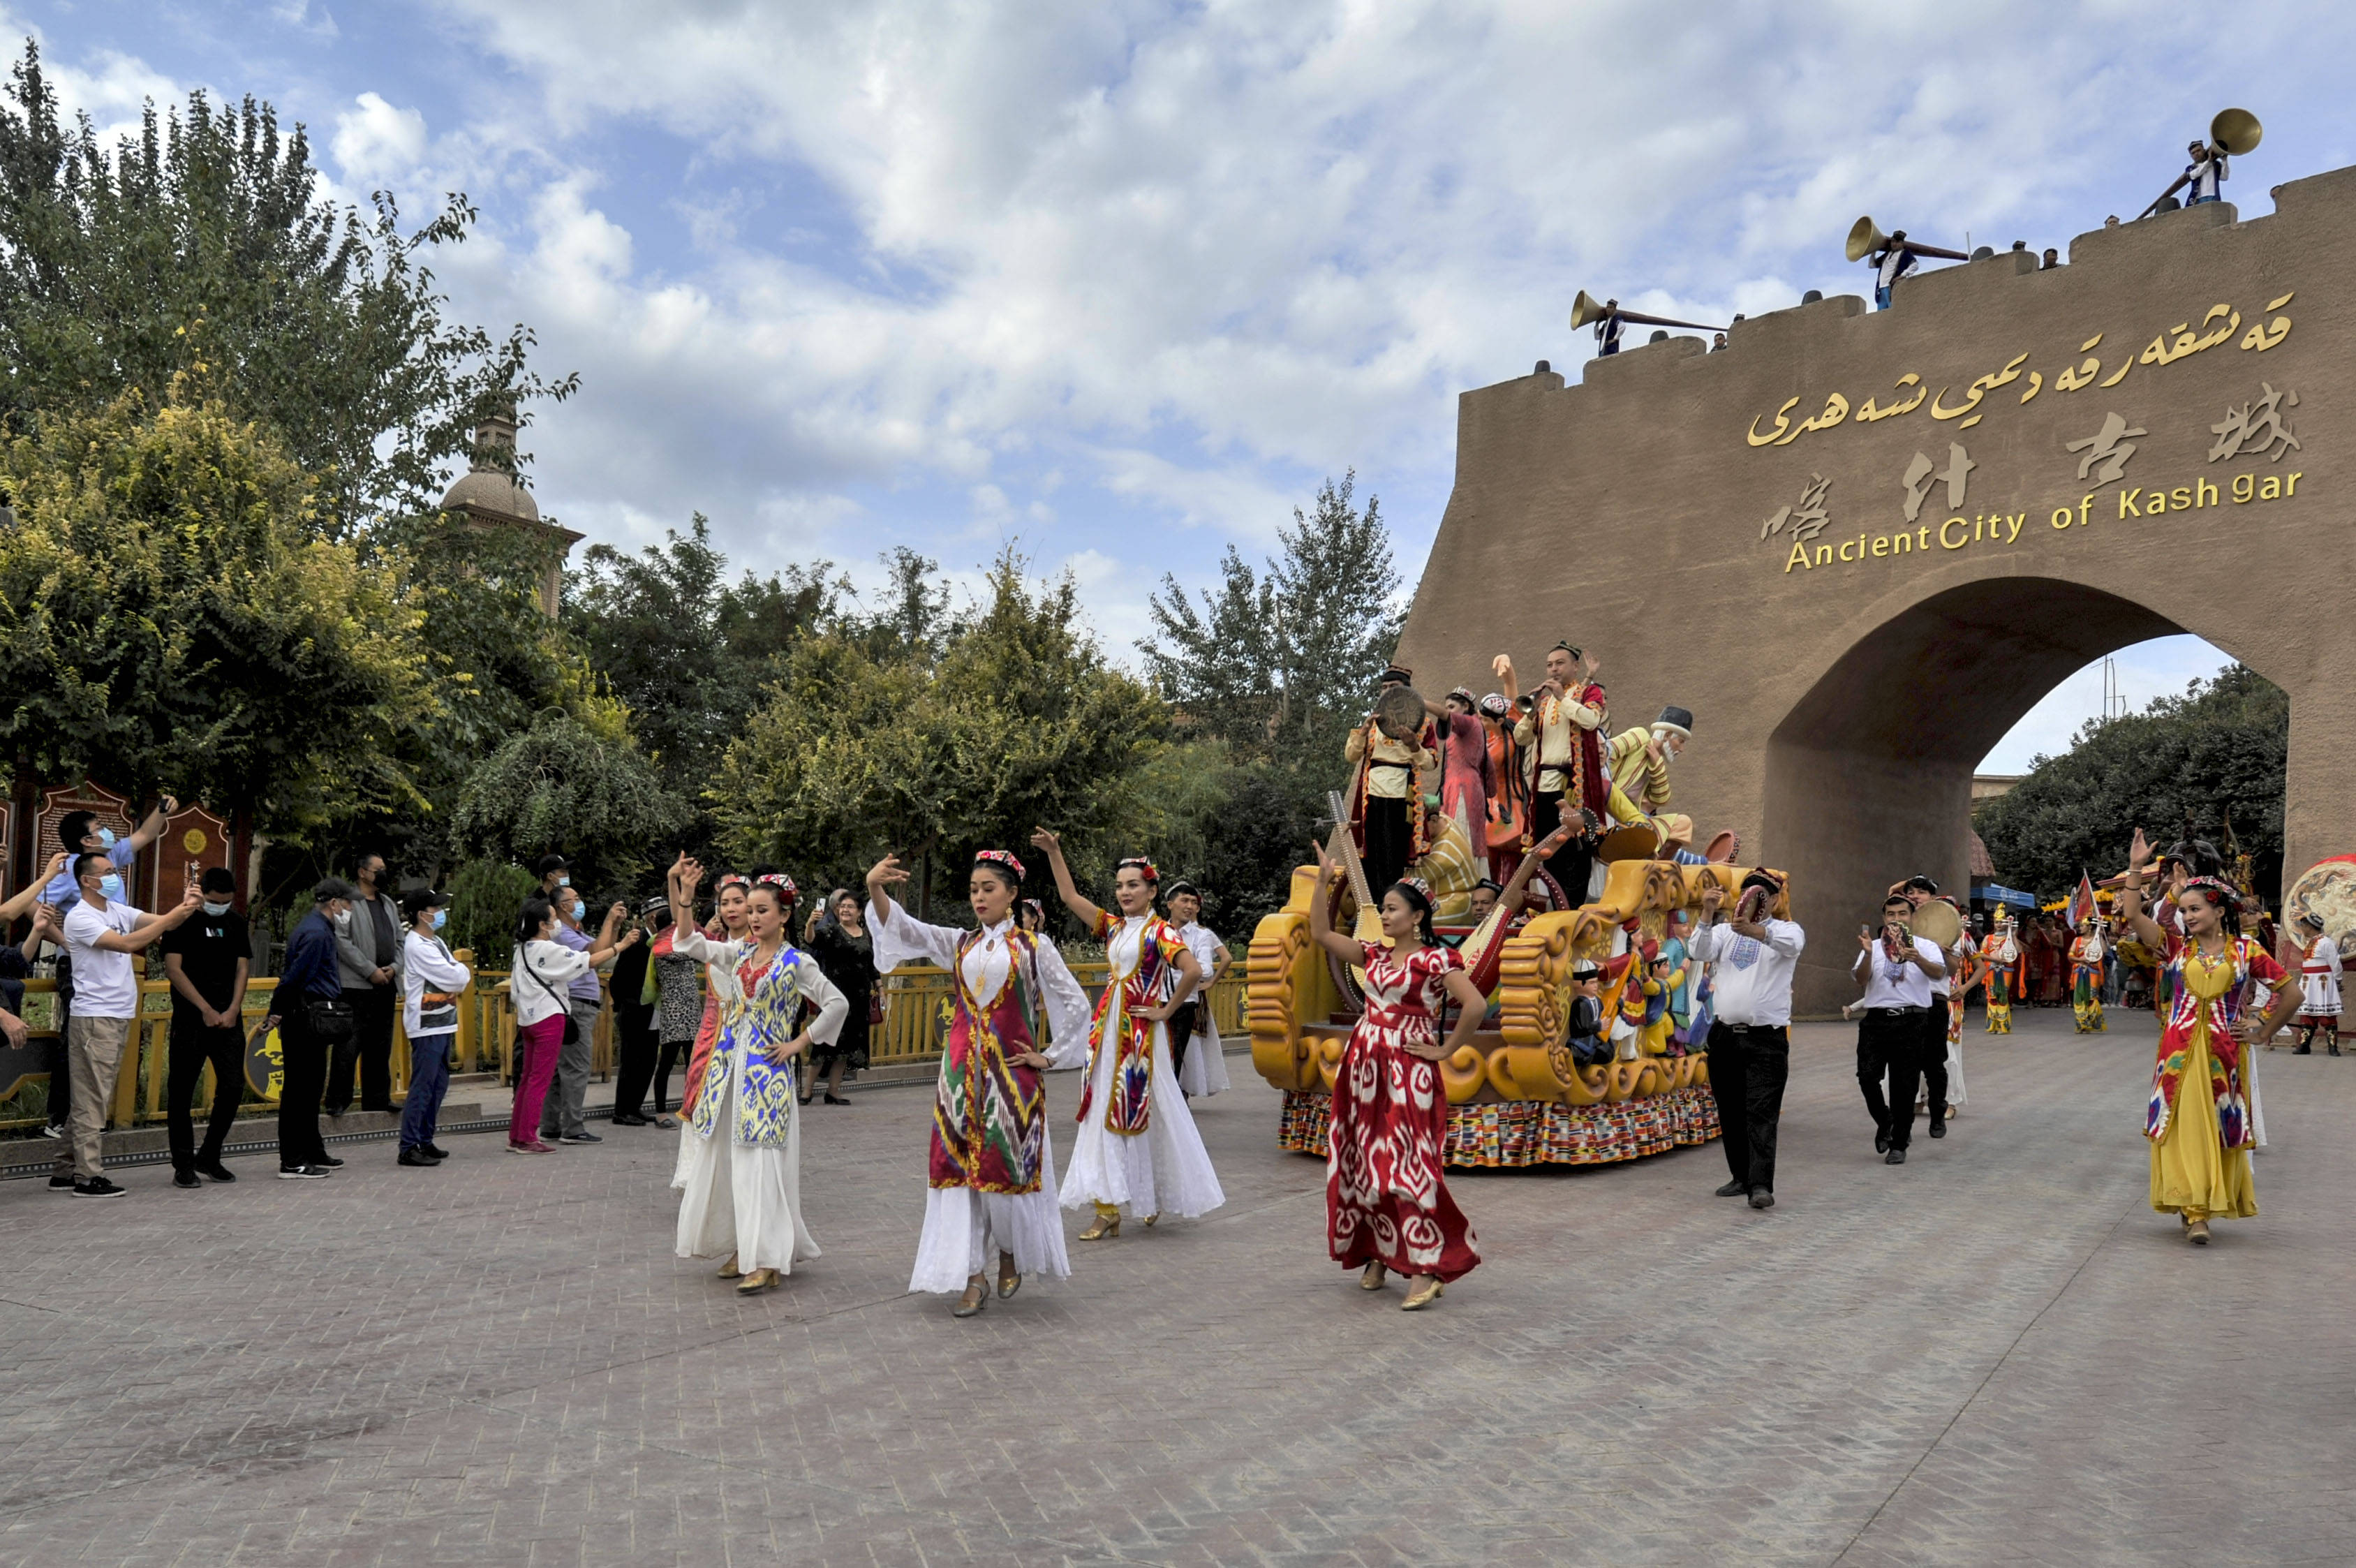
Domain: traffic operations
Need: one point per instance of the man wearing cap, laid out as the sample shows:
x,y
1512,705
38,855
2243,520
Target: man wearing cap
x,y
431,980
1899,968
1918,891
310,992
634,1042
1639,760
1562,759
1751,958
2319,979
1388,808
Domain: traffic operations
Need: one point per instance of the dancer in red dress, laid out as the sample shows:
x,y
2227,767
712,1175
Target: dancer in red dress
x,y
1387,1203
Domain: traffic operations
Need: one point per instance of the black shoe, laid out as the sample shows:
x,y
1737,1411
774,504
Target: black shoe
x,y
333,1111
1762,1198
1894,1157
417,1157
328,1162
2306,1051
837,1099
2335,1047
1938,1129
434,1151
584,1137
1882,1139
186,1180
1733,1189
381,1110
97,1186
61,1184
216,1170
630,1121
304,1173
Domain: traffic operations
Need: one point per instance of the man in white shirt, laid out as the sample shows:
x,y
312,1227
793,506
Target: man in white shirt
x,y
1191,1031
102,933
79,831
1919,891
1899,968
1750,958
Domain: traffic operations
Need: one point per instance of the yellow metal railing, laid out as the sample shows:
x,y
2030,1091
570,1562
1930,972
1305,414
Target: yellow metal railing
x,y
917,1003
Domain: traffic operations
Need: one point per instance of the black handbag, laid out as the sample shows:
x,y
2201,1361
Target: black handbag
x,y
330,1018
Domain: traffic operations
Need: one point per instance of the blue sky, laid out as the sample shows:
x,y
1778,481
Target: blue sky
x,y
1122,282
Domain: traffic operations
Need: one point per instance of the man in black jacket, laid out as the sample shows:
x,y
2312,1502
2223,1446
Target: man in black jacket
x,y
634,1021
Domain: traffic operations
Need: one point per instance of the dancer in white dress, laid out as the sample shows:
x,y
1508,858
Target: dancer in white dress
x,y
727,924
1136,1147
1202,1072
743,1179
992,1166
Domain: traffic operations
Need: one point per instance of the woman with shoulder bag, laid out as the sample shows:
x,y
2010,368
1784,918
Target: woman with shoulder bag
x,y
544,967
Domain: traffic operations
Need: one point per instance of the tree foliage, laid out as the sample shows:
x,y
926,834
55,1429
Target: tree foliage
x,y
168,616
561,787
325,325
1018,723
2212,759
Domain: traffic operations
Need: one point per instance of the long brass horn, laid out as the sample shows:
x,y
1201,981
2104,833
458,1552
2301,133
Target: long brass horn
x,y
1587,309
2237,131
1863,238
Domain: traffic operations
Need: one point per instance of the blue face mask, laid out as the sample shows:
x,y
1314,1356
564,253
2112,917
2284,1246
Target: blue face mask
x,y
579,909
565,882
441,918
111,885
106,837
215,909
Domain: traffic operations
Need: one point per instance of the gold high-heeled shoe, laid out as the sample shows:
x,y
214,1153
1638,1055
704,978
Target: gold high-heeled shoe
x,y
1009,1281
729,1270
2196,1233
1421,1298
1152,1218
1108,1225
976,1297
757,1282
1375,1278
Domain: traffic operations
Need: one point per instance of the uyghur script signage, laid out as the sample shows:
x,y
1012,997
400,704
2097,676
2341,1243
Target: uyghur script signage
x,y
2258,428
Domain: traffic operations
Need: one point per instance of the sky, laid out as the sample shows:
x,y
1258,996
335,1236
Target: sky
x,y
1120,283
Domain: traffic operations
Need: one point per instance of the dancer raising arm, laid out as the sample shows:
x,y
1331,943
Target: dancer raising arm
x,y
1137,1146
743,1184
2198,1120
992,1166
1387,1202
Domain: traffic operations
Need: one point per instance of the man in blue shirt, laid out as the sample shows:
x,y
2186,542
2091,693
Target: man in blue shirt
x,y
561,1118
310,992
78,834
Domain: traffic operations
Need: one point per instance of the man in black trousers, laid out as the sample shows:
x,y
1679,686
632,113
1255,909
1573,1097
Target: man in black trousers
x,y
1891,1039
1751,958
635,1042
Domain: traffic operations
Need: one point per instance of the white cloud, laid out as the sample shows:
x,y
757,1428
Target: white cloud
x,y
376,144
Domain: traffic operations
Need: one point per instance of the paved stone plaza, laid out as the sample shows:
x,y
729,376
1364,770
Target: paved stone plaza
x,y
1996,1353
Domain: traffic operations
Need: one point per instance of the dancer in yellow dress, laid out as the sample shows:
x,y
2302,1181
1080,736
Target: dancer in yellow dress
x,y
2000,972
2086,955
2198,1119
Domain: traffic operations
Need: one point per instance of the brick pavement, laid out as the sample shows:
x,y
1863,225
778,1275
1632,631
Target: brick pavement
x,y
1995,1353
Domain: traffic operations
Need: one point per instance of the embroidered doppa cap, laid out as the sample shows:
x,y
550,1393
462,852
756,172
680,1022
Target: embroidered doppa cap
x,y
1397,674
1188,888
1464,694
782,882
1496,706
1142,866
1000,857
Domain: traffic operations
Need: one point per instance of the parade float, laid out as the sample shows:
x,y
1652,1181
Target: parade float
x,y
1516,1097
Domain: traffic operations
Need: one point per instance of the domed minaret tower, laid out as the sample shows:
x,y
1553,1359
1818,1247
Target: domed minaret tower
x,y
488,497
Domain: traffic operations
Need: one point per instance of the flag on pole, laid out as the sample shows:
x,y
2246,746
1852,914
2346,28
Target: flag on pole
x,y
2081,902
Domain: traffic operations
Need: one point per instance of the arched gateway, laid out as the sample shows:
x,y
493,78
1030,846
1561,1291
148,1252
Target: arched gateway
x,y
1860,547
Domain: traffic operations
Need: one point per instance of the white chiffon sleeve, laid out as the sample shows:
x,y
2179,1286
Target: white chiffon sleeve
x,y
907,940
832,1006
694,944
1066,1002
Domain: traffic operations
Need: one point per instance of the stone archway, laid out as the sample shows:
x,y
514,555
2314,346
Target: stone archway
x,y
1856,600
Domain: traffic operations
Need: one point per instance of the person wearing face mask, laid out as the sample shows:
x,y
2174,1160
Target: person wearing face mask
x,y
544,969
102,933
312,1017
1138,1147
431,980
993,1164
367,951
206,959
78,834
561,1119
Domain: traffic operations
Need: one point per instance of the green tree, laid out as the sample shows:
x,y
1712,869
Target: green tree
x,y
168,616
687,650
1018,723
328,327
2193,764
563,787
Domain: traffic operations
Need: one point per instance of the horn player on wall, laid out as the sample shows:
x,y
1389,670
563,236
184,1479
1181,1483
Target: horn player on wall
x,y
2234,132
1893,256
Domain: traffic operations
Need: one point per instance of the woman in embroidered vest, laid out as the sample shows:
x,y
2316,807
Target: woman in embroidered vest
x,y
726,925
1387,1203
992,1166
743,1183
2198,1118
1136,1147
2086,955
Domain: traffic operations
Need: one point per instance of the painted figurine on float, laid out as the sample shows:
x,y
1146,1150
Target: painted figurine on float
x,y
1639,762
992,1166
1136,1148
2000,970
2087,952
743,1174
1387,1209
2200,1120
